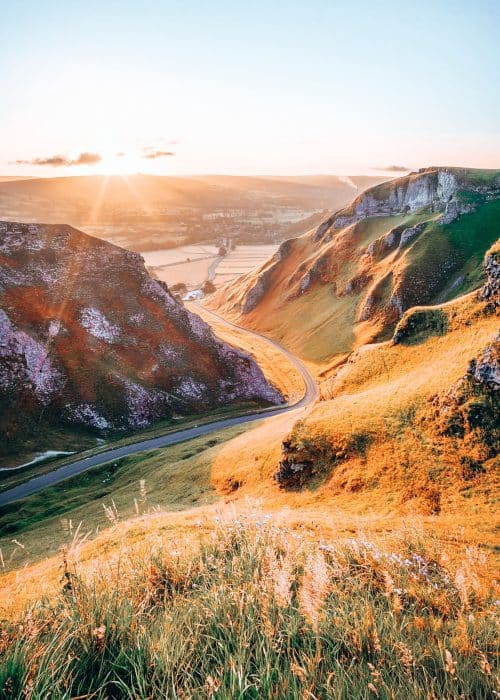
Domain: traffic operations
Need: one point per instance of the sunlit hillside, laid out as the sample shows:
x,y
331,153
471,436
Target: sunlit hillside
x,y
416,240
249,350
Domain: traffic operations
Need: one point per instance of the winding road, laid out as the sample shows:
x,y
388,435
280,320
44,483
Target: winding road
x,y
38,483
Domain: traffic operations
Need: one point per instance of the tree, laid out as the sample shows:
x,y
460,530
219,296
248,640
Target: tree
x,y
179,289
209,287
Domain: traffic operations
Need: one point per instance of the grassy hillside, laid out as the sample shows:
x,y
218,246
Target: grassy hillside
x,y
344,552
406,242
252,609
399,427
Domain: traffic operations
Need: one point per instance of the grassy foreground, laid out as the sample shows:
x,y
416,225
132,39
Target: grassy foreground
x,y
252,609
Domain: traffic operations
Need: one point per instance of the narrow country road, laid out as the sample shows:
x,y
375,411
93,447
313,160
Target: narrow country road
x,y
38,483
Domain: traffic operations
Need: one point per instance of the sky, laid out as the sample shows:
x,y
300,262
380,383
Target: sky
x,y
247,87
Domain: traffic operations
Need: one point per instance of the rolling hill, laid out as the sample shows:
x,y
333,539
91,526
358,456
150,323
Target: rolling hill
x,y
77,195
147,212
419,239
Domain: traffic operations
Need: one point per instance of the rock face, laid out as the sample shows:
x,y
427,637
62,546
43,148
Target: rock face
x,y
88,338
470,410
255,293
485,369
436,189
491,290
433,188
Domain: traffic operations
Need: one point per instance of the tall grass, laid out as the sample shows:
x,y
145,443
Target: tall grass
x,y
258,611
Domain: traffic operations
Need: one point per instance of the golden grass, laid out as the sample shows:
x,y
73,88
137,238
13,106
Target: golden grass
x,y
276,367
182,532
245,600
388,490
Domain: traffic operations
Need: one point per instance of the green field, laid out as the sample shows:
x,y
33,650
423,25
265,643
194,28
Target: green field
x,y
175,478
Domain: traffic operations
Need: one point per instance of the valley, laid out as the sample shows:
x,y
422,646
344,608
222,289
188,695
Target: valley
x,y
249,350
306,397
363,428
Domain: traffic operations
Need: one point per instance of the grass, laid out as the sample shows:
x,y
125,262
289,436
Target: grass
x,y
252,609
59,439
418,324
460,245
174,478
390,392
277,369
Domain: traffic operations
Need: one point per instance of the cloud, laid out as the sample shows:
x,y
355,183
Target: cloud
x,y
87,159
395,168
152,154
59,161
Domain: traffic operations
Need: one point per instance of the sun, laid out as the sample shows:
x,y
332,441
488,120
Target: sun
x,y
119,164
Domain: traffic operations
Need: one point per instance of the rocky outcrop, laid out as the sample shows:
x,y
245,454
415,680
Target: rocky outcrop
x,y
485,369
433,189
306,458
491,290
469,412
436,189
255,293
88,338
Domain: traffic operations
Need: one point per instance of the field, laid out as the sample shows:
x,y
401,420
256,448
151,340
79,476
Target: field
x,y
193,264
242,260
189,264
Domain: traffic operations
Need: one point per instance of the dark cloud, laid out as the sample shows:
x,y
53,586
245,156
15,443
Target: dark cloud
x,y
157,154
396,168
58,161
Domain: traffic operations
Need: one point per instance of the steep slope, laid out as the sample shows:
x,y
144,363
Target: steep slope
x,y
87,338
416,240
416,418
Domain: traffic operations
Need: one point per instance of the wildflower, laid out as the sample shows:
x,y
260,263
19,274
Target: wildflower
x,y
374,672
99,636
111,512
314,588
405,655
484,663
99,633
279,572
450,665
211,686
372,633
298,671
461,586
388,583
397,604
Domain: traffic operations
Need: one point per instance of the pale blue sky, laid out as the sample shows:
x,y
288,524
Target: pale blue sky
x,y
249,87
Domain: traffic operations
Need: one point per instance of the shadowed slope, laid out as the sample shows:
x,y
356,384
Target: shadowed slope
x,y
89,339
